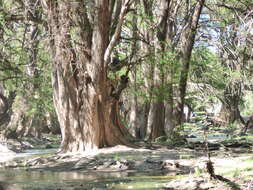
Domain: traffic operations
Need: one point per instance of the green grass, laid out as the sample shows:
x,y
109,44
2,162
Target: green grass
x,y
143,183
241,169
186,156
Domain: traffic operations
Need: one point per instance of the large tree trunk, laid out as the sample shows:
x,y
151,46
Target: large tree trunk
x,y
234,59
90,124
156,120
86,101
230,105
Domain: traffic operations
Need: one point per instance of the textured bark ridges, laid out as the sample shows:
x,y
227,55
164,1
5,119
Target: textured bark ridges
x,y
84,97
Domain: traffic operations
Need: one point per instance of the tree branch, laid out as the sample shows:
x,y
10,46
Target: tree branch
x,y
120,87
16,18
10,78
241,10
116,35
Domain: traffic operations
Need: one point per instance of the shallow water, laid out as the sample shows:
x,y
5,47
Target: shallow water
x,y
48,180
28,179
211,137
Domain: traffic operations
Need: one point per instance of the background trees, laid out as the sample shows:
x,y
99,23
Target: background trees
x,y
24,74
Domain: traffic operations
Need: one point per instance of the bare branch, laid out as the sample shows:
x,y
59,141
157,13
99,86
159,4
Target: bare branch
x,y
116,35
16,18
10,78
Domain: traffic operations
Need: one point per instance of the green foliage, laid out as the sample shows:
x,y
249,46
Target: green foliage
x,y
198,171
206,68
15,57
236,173
247,107
210,73
161,139
249,160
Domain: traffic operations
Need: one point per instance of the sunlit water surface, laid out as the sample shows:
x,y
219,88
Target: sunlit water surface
x,y
78,180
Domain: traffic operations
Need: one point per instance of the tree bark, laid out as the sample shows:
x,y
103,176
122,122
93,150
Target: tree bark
x,y
187,43
147,67
6,108
230,105
86,101
157,108
234,58
133,115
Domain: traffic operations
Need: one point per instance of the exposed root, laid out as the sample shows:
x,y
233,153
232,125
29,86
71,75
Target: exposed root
x,y
210,168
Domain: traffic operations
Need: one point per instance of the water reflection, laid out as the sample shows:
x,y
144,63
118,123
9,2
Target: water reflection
x,y
49,178
77,180
31,180
22,175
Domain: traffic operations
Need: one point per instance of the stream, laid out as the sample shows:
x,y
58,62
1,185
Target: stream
x,y
75,178
37,179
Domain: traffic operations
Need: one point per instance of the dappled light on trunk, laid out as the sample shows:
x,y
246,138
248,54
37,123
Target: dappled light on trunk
x,y
86,100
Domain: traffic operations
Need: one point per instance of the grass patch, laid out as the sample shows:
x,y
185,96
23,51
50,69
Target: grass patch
x,y
142,182
186,156
249,160
243,168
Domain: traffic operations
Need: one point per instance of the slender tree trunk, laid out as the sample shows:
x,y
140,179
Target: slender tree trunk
x,y
170,123
5,108
34,121
134,115
187,42
157,108
148,82
169,118
147,67
156,120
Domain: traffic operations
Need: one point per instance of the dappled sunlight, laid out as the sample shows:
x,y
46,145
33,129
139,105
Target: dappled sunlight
x,y
125,94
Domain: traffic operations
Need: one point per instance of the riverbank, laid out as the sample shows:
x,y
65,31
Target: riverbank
x,y
163,165
152,166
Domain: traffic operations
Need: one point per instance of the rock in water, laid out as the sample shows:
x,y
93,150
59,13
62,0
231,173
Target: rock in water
x,y
4,149
5,154
7,186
